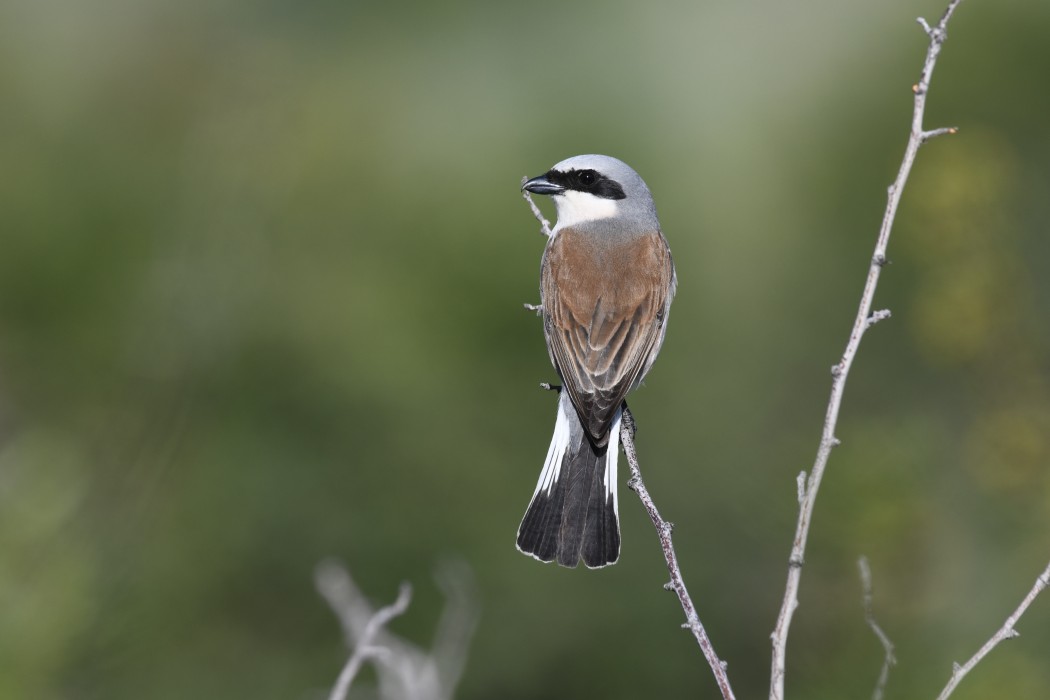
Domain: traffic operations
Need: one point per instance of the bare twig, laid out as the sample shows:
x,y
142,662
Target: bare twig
x,y
404,670
869,617
1007,631
880,315
545,226
677,584
332,586
840,371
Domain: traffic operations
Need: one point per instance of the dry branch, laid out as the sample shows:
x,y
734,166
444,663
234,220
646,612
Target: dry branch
x,y
676,584
332,584
864,320
545,226
1007,631
869,617
404,670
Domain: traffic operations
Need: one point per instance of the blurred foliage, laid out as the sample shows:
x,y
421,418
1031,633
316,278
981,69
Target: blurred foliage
x,y
260,285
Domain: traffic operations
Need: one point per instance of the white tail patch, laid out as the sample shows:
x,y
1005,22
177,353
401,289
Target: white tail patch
x,y
611,456
559,445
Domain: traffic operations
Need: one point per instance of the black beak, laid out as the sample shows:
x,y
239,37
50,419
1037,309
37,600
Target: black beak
x,y
541,185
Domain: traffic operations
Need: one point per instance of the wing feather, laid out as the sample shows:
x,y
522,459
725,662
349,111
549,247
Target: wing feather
x,y
605,305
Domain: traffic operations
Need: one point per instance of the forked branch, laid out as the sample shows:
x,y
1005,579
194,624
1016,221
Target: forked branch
x,y
360,624
404,670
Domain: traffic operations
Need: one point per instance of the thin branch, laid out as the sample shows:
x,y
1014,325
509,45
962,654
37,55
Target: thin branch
x,y
869,617
880,315
1007,631
364,649
333,584
840,371
545,226
404,671
677,584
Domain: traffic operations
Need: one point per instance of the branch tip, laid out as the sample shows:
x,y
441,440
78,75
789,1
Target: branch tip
x,y
934,133
545,226
880,315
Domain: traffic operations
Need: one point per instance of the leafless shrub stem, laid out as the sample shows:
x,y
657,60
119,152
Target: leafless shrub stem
x,y
676,584
869,616
1007,631
864,320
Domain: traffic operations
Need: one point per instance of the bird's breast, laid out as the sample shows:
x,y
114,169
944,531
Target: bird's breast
x,y
590,269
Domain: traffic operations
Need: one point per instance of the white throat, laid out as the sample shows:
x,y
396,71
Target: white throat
x,y
576,207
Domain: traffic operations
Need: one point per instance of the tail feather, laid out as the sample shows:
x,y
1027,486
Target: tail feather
x,y
574,512
601,543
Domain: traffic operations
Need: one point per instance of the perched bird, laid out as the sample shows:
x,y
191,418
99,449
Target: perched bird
x,y
606,283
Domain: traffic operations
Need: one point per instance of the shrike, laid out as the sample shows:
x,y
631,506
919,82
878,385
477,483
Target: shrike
x,y
606,284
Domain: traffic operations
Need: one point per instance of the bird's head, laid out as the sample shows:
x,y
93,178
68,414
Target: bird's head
x,y
594,187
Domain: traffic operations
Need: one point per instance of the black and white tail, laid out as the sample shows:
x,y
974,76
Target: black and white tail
x,y
574,512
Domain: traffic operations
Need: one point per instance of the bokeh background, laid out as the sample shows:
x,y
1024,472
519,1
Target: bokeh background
x,y
261,275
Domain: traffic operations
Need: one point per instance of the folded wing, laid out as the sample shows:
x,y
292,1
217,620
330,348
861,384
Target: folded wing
x,y
605,304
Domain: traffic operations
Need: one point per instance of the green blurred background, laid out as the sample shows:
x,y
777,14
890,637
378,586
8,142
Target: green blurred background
x,y
261,277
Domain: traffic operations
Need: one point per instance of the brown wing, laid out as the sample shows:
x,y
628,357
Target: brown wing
x,y
604,302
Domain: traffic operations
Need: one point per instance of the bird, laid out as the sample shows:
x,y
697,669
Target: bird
x,y
606,284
